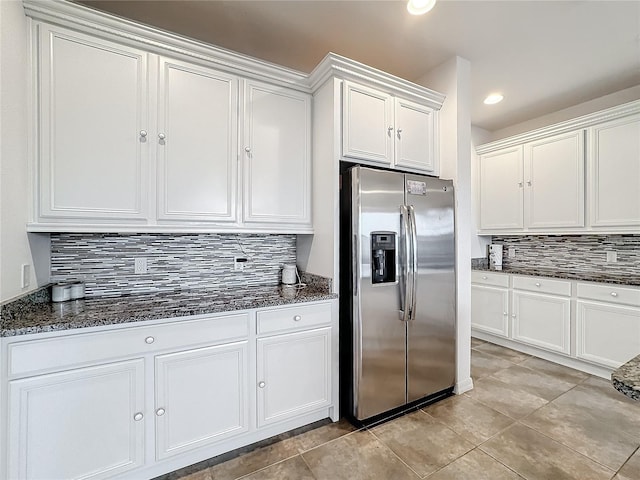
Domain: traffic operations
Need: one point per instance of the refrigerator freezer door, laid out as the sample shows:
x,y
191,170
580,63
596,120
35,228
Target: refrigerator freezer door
x,y
379,332
431,331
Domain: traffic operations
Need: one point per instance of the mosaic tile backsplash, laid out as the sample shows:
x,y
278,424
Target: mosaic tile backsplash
x,y
573,253
105,262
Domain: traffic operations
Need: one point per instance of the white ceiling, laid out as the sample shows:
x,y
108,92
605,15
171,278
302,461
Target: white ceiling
x,y
542,55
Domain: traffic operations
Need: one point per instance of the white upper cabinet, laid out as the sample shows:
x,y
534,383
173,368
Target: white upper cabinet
x,y
92,128
578,176
196,143
554,181
501,190
614,170
277,152
367,125
387,130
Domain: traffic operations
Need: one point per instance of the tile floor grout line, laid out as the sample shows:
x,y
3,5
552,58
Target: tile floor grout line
x,y
309,466
567,446
394,453
333,439
266,466
637,450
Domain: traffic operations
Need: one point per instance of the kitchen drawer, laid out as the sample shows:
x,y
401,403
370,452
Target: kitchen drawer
x,y
297,317
488,278
59,353
610,293
542,285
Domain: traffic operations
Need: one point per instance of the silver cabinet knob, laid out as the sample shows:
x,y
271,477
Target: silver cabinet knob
x,y
149,340
262,384
160,412
247,149
537,284
614,294
138,416
513,315
484,277
389,129
529,182
143,133
162,136
520,184
399,132
505,313
297,318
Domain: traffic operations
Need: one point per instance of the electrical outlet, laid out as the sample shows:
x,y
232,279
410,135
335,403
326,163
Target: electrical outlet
x,y
512,252
140,265
25,275
612,257
239,263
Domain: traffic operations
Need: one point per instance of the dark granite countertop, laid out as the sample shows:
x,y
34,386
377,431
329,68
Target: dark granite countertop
x,y
93,312
582,276
626,379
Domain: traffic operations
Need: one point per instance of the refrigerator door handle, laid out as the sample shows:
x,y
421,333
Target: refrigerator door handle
x,y
405,289
413,259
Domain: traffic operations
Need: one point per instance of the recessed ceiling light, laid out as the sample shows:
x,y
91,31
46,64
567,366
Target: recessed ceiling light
x,y
420,7
493,99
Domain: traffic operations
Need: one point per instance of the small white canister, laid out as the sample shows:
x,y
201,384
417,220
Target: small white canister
x,y
77,290
289,275
60,292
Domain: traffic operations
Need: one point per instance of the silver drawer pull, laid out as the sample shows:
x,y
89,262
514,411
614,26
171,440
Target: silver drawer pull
x,y
149,340
297,318
485,277
160,412
614,294
262,384
537,284
138,416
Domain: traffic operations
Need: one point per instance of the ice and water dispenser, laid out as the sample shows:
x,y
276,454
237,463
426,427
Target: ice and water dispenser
x,y
383,257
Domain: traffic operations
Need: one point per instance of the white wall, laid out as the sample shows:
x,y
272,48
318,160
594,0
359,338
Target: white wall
x,y
16,246
453,78
601,103
478,243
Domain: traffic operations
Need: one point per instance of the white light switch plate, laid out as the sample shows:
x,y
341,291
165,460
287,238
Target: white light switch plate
x,y
140,265
25,275
612,257
512,252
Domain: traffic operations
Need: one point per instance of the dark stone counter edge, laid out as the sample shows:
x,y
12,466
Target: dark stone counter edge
x,y
165,313
626,379
580,277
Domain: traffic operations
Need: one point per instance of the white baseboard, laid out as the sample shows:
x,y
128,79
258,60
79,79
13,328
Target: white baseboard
x,y
463,386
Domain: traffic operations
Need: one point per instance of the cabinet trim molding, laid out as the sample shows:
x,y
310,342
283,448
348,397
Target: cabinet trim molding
x,y
584,121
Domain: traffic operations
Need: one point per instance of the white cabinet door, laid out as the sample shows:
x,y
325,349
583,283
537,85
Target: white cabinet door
x,y
294,374
614,173
542,320
367,124
86,423
607,334
93,128
196,143
201,397
490,310
415,136
501,190
277,152
554,181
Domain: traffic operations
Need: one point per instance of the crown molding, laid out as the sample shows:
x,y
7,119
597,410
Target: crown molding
x,y
87,20
584,121
333,65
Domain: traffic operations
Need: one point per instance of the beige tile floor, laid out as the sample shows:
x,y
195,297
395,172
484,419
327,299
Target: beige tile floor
x,y
525,419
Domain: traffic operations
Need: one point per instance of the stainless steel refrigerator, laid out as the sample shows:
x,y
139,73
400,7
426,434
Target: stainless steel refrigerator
x,y
398,290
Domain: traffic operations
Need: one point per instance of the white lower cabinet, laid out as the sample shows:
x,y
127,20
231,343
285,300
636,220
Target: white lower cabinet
x,y
542,320
294,374
201,397
490,309
140,401
84,423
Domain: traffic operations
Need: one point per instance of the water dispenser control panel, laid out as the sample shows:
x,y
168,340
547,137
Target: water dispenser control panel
x,y
383,257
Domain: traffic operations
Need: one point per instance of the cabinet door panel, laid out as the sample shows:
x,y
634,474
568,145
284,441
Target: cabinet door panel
x,y
501,190
93,107
415,142
197,160
77,424
367,124
490,310
542,320
296,371
554,181
607,334
615,173
203,395
277,155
